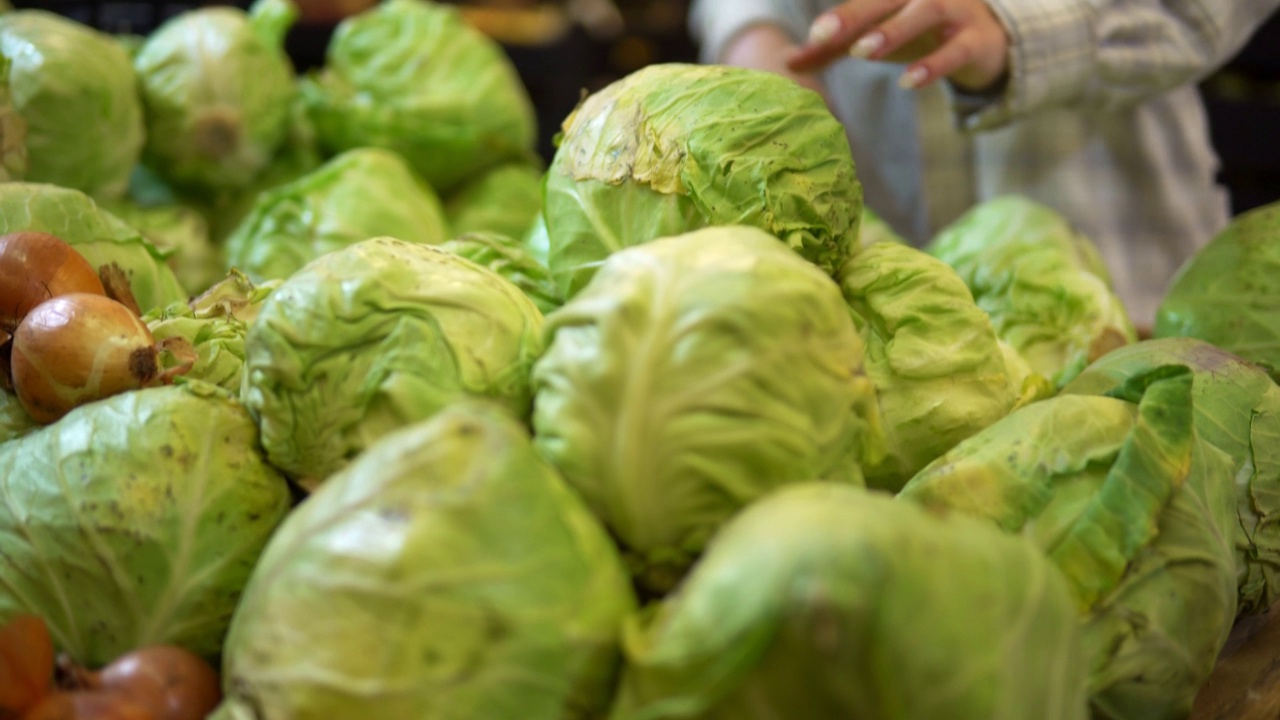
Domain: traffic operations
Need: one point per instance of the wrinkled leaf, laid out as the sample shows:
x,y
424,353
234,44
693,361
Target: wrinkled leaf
x,y
509,259
504,200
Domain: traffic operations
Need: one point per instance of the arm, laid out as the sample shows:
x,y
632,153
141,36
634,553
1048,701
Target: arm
x,y
756,34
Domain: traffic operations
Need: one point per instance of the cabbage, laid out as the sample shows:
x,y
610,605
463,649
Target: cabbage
x,y
509,259
358,195
1044,285
1237,410
673,148
504,200
1228,294
99,236
1138,513
135,521
13,132
447,574
217,87
76,89
376,336
938,369
414,77
875,230
182,235
823,601
14,420
694,375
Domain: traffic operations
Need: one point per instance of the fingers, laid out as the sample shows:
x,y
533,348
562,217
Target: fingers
x,y
914,21
965,58
834,31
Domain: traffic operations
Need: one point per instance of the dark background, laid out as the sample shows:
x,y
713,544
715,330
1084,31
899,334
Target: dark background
x,y
596,41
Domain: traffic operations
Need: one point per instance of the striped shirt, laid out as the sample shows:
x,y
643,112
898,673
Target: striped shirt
x,y
1100,120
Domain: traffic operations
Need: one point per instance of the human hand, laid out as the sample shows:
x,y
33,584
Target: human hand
x,y
764,47
958,39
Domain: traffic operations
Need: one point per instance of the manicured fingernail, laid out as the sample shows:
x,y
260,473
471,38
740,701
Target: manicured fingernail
x,y
913,78
867,46
823,29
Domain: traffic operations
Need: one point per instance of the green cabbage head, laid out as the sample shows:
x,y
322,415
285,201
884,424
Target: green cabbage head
x,y
1043,284
673,148
415,77
1228,294
446,574
694,375
14,419
217,87
358,195
181,233
504,200
1137,512
511,260
76,89
822,601
1237,410
13,131
376,336
99,236
938,369
136,520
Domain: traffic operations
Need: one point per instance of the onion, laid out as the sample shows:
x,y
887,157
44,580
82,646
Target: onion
x,y
26,664
77,348
36,266
169,682
87,705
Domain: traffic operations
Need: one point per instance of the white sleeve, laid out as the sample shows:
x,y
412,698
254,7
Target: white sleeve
x,y
713,23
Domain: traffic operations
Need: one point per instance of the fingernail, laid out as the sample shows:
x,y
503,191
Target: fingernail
x,y
913,78
823,29
867,46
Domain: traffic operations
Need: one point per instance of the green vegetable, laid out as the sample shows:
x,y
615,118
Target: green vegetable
x,y
694,375
1043,284
822,601
76,89
1237,410
509,259
875,230
505,200
182,235
1228,294
1137,512
13,131
939,372
376,336
215,324
217,87
14,420
136,520
358,195
446,574
673,148
415,77
535,240
99,236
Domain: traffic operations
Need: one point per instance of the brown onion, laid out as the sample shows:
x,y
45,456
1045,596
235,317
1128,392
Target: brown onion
x,y
87,705
26,664
36,266
170,682
78,348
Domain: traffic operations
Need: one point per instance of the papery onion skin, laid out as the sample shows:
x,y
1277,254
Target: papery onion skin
x,y
36,266
169,682
77,348
87,705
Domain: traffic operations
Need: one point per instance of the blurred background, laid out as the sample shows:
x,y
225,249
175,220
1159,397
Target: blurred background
x,y
563,48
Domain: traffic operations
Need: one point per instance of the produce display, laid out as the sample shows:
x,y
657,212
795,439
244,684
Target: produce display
x,y
322,396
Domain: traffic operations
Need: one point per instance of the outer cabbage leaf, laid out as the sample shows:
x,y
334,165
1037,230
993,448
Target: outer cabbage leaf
x,y
99,236
939,371
76,89
217,88
13,132
504,200
14,420
456,577
136,520
536,241
673,148
1228,294
415,77
1135,510
358,195
374,337
1043,284
181,234
822,601
1237,410
509,259
694,375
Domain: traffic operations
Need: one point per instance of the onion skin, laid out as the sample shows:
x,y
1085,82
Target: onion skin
x,y
77,348
26,665
87,705
169,682
36,266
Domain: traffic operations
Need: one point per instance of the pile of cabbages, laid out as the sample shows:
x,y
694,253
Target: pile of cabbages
x,y
672,428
